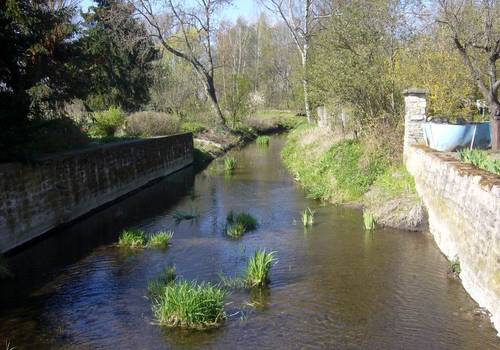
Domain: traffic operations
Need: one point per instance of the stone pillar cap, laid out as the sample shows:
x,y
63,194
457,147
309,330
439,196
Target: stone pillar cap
x,y
415,91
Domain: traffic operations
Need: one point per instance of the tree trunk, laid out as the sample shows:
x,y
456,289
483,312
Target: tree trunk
x,y
212,95
495,126
305,84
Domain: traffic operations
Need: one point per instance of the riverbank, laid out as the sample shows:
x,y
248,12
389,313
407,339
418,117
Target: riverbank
x,y
355,172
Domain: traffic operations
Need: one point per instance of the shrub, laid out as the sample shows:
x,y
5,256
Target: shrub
x,y
132,238
106,123
257,273
148,123
193,127
239,223
480,159
308,217
160,239
190,305
263,140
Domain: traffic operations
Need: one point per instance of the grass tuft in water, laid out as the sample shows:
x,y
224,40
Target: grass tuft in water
x,y
180,215
160,239
190,305
454,268
257,273
156,286
133,238
239,223
263,140
369,221
230,164
308,217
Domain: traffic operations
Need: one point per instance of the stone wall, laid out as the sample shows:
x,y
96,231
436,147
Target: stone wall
x,y
415,115
463,204
35,198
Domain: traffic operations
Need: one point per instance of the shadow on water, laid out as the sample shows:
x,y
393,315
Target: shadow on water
x,y
36,263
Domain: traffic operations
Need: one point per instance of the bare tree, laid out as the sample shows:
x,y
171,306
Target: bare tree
x,y
187,30
301,18
475,30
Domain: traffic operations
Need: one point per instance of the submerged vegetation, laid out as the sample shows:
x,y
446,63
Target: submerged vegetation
x,y
135,239
156,286
308,217
180,215
239,223
257,272
189,305
480,159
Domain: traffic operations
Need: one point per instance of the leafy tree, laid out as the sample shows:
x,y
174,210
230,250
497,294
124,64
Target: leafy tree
x,y
118,56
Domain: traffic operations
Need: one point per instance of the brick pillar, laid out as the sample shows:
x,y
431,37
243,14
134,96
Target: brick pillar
x,y
415,115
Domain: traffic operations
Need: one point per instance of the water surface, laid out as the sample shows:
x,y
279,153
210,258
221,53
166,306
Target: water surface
x,y
335,285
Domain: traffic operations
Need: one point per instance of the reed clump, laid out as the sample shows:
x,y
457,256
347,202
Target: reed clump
x,y
137,239
230,165
308,217
263,140
190,305
369,221
238,224
160,239
257,272
156,286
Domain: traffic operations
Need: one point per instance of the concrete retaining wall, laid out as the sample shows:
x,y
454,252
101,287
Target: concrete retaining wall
x,y
35,198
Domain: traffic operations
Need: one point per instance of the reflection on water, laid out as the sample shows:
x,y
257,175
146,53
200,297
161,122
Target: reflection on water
x,y
335,285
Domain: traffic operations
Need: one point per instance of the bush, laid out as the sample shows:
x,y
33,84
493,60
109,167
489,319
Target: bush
x,y
148,123
189,305
106,123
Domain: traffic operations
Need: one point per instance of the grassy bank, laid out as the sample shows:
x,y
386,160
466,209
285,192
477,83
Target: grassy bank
x,y
354,171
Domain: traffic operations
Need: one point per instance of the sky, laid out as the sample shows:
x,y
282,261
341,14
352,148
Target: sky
x,y
248,9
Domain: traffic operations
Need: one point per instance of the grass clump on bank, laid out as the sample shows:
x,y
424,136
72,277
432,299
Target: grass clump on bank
x,y
480,159
190,305
454,268
136,239
257,273
239,223
332,171
263,140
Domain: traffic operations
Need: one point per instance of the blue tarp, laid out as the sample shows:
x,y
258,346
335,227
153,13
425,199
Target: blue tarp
x,y
448,137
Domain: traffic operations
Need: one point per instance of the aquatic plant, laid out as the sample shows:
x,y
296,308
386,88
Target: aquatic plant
x,y
230,164
180,215
257,272
133,238
160,239
308,217
368,220
454,268
239,223
190,305
263,140
156,286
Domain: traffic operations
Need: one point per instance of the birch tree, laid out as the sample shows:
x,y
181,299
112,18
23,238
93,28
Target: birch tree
x,y
301,18
187,30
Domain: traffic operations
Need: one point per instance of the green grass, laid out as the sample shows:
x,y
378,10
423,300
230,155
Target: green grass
x,y
180,215
157,286
308,217
480,159
263,140
160,239
193,127
339,173
190,305
257,272
454,268
239,223
230,164
133,238
368,220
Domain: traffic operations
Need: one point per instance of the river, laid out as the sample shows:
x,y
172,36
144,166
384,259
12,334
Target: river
x,y
335,285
